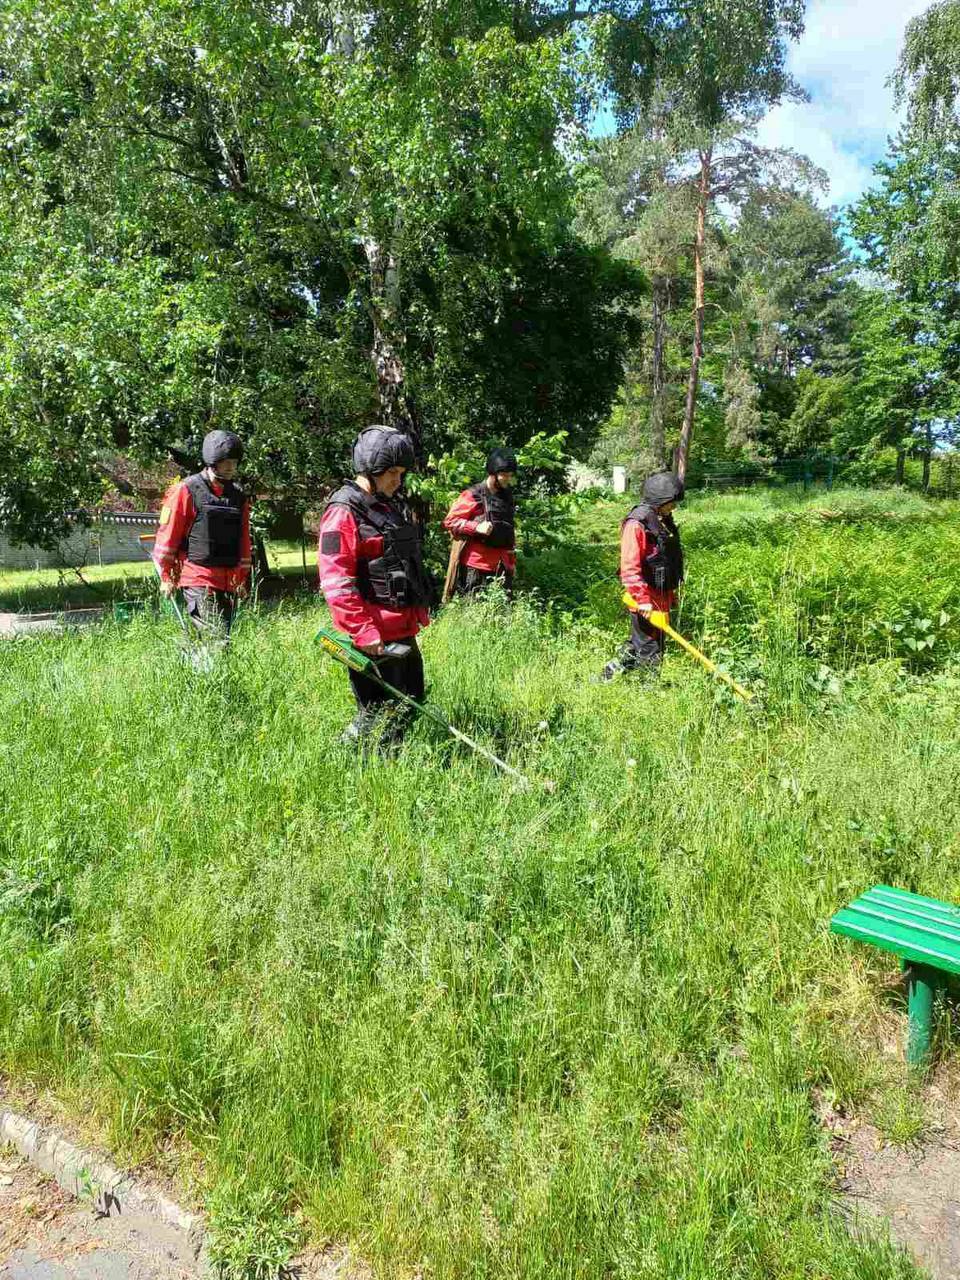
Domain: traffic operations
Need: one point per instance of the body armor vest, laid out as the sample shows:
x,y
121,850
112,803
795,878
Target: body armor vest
x,y
397,578
499,507
663,568
215,535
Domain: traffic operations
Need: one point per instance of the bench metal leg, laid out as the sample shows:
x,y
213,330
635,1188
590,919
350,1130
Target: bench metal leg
x,y
922,985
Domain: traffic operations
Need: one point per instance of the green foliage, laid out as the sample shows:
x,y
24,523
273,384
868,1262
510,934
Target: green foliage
x,y
286,224
454,1026
821,414
721,59
778,284
901,1118
900,389
533,347
908,334
251,1234
905,223
929,70
799,270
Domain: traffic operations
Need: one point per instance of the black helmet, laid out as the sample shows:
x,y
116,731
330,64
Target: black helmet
x,y
220,445
379,448
662,487
501,460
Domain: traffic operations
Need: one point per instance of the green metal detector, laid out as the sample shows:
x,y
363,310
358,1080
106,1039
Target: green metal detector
x,y
194,651
170,600
342,648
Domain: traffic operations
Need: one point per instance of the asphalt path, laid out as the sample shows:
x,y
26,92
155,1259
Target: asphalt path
x,y
47,1235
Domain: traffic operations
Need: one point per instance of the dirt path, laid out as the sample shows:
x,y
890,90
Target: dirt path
x,y
47,1235
915,1189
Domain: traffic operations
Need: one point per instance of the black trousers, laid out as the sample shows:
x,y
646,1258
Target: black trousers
x,y
471,580
405,674
645,646
211,612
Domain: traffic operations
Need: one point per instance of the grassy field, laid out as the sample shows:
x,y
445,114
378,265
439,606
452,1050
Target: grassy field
x,y
474,1030
25,590
855,575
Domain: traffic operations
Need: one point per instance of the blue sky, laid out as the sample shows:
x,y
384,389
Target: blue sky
x,y
846,55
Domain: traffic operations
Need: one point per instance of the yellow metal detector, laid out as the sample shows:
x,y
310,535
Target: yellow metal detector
x,y
661,621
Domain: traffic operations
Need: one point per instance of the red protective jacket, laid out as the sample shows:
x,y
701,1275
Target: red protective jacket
x,y
635,545
461,522
176,520
365,622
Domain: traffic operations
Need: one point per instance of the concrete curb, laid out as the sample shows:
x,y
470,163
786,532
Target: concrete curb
x,y
112,1193
28,624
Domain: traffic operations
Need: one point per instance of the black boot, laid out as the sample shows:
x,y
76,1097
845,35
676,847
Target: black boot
x,y
361,732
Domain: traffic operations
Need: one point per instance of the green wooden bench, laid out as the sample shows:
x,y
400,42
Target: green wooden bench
x,y
924,933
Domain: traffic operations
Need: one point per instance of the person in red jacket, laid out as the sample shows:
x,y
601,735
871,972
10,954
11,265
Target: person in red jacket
x,y
374,579
651,570
483,519
203,542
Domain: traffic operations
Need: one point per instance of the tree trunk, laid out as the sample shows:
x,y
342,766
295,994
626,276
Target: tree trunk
x,y
703,202
901,465
389,370
386,347
660,289
927,455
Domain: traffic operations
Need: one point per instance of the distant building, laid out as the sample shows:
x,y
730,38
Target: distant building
x,y
113,538
580,477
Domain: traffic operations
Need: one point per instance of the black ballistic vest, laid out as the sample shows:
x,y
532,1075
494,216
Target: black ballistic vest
x,y
214,537
499,508
398,578
663,568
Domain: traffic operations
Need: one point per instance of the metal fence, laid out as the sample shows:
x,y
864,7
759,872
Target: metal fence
x,y
799,472
819,469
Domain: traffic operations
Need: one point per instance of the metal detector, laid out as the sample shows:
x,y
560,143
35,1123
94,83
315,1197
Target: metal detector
x,y
340,647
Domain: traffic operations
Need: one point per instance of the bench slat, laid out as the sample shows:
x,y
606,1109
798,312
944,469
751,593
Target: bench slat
x,y
907,920
909,925
900,941
915,899
900,900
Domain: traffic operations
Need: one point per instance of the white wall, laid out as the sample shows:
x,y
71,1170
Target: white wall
x,y
107,543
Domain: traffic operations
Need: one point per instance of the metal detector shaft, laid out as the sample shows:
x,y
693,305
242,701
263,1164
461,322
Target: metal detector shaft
x,y
712,667
441,720
341,647
661,621
187,629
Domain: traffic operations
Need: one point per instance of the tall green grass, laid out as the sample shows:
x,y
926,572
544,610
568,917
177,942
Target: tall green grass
x,y
469,1029
856,576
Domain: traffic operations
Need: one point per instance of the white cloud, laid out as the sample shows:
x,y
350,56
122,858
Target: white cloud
x,y
812,132
848,51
